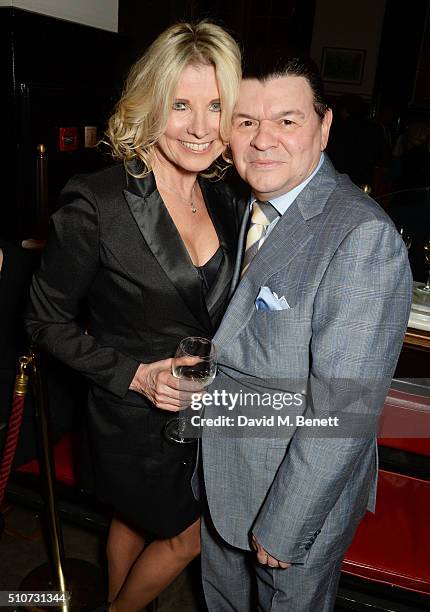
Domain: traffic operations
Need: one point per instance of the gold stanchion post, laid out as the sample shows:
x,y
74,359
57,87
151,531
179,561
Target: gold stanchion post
x,y
76,578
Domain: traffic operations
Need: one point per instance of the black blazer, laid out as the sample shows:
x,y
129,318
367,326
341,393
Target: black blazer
x,y
114,244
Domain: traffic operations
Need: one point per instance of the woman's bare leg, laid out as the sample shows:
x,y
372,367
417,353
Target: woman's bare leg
x,y
124,545
156,567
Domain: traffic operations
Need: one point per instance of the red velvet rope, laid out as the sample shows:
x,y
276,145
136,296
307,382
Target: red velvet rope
x,y
14,428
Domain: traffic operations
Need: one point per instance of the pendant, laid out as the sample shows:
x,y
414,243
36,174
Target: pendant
x,y
193,209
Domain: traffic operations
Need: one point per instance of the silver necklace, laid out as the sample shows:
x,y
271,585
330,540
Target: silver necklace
x,y
187,200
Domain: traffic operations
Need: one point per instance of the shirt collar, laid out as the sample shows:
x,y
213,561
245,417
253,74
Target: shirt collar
x,y
284,201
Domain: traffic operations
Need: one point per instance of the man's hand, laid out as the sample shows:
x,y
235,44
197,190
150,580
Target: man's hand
x,y
156,382
264,558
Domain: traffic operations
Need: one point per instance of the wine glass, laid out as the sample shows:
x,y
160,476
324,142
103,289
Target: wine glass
x,y
195,359
426,288
406,237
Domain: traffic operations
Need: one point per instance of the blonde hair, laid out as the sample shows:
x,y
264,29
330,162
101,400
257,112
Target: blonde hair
x,y
141,115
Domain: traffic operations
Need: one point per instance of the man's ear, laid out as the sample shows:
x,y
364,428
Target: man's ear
x,y
325,128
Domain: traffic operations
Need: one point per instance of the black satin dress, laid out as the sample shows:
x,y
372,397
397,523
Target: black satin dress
x,y
209,271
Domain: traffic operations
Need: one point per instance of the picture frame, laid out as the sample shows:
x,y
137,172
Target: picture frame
x,y
340,65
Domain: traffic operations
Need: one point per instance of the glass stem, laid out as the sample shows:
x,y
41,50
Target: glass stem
x,y
182,421
427,285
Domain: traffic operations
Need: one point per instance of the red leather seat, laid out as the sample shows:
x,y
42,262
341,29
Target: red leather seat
x,y
405,422
393,545
64,453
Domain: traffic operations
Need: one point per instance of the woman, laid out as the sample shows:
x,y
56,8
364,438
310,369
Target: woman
x,y
150,244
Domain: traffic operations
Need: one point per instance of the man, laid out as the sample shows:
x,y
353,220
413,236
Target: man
x,y
323,297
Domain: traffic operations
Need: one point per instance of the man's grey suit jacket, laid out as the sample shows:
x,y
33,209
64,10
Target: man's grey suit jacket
x,y
341,265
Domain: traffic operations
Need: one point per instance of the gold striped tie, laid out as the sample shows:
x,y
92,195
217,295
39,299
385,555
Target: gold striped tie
x,y
263,213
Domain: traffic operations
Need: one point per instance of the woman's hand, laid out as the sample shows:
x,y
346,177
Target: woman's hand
x,y
156,382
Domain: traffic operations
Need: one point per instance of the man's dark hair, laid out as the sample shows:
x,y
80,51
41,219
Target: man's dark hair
x,y
265,65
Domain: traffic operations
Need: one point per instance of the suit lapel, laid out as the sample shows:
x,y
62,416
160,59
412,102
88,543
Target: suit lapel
x,y
287,239
164,241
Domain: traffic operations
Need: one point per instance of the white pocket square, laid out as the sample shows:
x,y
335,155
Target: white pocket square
x,y
269,300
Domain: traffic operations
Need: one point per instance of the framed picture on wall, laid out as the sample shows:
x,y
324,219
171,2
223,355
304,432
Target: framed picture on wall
x,y
340,65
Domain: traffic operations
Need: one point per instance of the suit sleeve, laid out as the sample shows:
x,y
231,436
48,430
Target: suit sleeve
x,y
58,289
360,316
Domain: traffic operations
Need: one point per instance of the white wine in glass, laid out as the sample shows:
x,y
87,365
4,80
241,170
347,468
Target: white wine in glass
x,y
201,368
200,373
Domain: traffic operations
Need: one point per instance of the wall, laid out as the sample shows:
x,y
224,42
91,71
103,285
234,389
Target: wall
x,y
349,25
422,85
97,13
55,73
250,21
